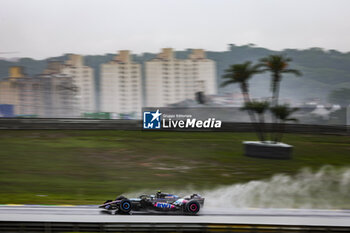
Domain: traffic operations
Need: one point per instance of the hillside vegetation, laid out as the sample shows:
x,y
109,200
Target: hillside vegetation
x,y
324,70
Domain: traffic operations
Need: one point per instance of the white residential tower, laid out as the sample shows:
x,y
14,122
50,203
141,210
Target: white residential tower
x,y
83,79
121,90
170,80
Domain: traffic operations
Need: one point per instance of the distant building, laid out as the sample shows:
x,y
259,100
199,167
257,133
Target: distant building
x,y
60,96
121,86
6,110
9,91
46,95
83,79
170,80
23,92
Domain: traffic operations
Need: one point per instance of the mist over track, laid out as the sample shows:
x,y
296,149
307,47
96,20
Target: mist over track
x,y
326,188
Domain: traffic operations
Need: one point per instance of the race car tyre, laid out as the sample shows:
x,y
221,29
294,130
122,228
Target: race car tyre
x,y
192,207
125,206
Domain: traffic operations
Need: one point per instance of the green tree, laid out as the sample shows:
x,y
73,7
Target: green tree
x,y
283,114
277,65
259,108
241,73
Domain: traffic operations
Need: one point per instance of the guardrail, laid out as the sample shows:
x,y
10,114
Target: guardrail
x,y
46,227
52,123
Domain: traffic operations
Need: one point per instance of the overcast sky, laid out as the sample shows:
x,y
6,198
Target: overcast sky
x,y
45,28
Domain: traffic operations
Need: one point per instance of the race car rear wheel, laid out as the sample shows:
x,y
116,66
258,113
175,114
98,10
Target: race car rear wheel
x,y
125,206
192,207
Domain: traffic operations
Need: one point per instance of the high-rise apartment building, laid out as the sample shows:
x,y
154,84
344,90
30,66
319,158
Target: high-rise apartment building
x,y
83,79
121,88
9,88
59,96
170,80
45,95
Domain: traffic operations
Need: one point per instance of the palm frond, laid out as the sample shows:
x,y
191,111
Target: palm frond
x,y
256,106
292,71
227,82
283,112
240,73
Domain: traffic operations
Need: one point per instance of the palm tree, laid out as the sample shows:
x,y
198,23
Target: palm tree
x,y
282,113
277,65
259,108
241,73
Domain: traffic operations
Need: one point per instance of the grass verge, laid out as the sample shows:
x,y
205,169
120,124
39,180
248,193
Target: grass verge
x,y
87,166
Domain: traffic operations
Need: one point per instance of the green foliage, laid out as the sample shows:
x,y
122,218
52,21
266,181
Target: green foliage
x,y
260,107
323,70
240,73
340,96
283,112
277,65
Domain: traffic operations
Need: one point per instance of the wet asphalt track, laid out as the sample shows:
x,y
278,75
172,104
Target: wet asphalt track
x,y
306,217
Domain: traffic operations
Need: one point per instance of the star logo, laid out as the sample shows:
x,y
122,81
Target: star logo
x,y
156,115
152,120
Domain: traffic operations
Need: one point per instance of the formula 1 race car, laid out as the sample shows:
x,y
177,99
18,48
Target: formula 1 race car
x,y
159,202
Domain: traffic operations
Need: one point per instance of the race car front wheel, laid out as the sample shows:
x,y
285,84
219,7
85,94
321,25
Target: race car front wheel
x,y
125,206
192,207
